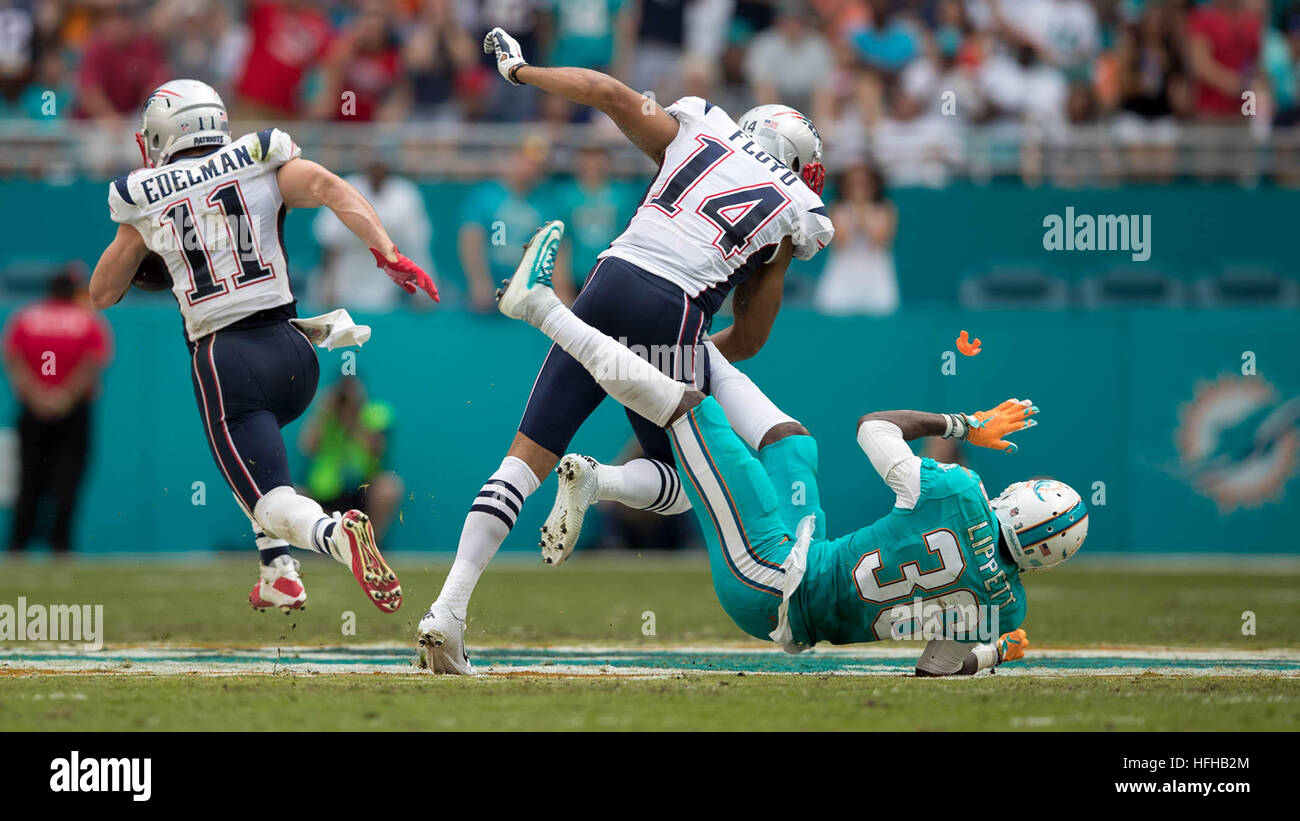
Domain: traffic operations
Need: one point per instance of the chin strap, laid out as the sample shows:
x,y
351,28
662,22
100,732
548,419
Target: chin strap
x,y
814,174
144,151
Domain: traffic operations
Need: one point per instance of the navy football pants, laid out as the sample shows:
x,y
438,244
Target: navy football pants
x,y
249,383
645,312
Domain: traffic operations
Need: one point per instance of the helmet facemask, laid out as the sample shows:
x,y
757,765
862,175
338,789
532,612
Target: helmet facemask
x,y
814,176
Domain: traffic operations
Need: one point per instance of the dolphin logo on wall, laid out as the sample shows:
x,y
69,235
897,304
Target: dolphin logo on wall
x,y
1238,442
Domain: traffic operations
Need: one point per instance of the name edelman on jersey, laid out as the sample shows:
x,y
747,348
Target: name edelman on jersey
x,y
178,179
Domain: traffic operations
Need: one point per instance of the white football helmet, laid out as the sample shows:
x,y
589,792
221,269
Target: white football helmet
x,y
181,114
1043,521
790,137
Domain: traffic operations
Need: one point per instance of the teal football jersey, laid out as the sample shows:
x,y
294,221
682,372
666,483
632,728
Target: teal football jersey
x,y
914,571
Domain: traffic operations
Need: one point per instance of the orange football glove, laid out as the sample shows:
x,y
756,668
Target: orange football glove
x,y
1012,645
987,428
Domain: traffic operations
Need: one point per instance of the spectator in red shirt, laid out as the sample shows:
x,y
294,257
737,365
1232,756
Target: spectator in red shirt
x,y
287,38
1223,46
121,65
54,353
363,77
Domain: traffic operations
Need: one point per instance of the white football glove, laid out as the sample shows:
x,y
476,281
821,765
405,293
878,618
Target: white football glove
x,y
506,48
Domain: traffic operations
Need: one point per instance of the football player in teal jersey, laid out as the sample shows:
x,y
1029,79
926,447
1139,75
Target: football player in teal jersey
x,y
944,564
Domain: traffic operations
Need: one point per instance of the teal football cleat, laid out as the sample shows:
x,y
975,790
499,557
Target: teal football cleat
x,y
527,295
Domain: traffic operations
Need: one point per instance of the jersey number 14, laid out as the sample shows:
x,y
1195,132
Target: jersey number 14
x,y
738,214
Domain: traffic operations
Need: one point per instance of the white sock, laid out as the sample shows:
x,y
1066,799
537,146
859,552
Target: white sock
x,y
489,521
645,484
748,409
628,378
284,514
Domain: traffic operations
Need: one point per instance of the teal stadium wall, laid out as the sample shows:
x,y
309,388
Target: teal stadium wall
x,y
944,235
1115,387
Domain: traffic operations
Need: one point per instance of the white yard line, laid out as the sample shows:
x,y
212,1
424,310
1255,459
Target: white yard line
x,y
585,661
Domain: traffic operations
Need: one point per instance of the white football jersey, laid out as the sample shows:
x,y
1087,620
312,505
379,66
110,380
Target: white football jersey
x,y
215,220
719,207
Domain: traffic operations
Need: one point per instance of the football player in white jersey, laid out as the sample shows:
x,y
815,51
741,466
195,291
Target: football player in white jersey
x,y
212,209
731,205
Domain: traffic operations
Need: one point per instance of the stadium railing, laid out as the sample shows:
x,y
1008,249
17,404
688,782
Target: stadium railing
x,y
1078,155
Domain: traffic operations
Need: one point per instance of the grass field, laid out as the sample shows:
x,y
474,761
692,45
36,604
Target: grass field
x,y
1092,608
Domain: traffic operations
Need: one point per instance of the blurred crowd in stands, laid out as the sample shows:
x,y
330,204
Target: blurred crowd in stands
x,y
901,69
1063,90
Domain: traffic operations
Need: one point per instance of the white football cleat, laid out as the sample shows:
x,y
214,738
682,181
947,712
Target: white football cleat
x,y
576,492
442,642
527,295
280,586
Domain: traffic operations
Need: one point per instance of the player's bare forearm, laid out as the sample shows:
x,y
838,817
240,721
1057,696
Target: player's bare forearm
x,y
755,305
305,184
913,424
644,121
116,267
747,335
359,216
580,85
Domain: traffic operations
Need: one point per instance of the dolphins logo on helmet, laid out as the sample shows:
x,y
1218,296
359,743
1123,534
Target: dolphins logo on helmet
x,y
1044,522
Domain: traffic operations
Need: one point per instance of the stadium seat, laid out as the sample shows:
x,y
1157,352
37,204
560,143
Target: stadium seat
x,y
1248,286
1134,287
1024,287
22,278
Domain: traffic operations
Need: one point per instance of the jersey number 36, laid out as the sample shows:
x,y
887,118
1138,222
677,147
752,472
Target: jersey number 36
x,y
880,587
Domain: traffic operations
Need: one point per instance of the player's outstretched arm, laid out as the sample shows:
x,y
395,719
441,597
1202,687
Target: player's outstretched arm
x,y
116,267
883,437
644,121
913,424
755,305
987,429
305,184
